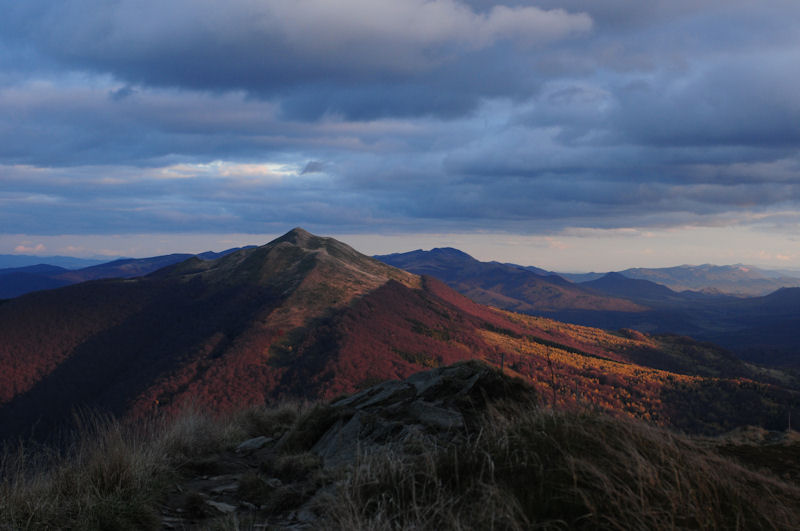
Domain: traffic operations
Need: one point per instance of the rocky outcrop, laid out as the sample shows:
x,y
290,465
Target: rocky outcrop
x,y
281,481
432,407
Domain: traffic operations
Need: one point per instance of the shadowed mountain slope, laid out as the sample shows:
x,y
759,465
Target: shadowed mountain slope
x,y
305,316
760,329
19,281
187,331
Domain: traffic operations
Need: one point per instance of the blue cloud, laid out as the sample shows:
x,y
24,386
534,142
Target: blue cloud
x,y
440,115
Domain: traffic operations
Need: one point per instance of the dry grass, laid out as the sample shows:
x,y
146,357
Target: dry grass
x,y
111,475
558,470
521,468
109,478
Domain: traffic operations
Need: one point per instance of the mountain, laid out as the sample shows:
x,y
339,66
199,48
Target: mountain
x,y
655,296
532,269
24,260
618,285
762,329
38,269
124,268
309,317
736,280
505,286
18,281
740,280
123,344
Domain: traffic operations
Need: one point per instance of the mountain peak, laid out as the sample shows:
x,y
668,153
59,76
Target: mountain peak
x,y
451,252
298,236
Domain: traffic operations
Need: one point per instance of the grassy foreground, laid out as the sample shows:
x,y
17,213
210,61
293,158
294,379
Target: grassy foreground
x,y
520,468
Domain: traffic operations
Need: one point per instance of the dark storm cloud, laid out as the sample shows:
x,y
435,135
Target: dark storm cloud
x,y
751,102
400,114
264,46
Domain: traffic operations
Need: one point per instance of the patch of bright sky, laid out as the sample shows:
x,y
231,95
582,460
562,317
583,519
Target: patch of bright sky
x,y
227,169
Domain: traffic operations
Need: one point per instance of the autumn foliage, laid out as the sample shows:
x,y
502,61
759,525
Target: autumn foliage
x,y
310,317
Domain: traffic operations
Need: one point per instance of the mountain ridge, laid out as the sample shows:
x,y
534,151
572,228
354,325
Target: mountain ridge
x,y
309,317
502,285
760,329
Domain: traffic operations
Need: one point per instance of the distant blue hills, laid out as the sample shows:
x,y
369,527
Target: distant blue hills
x,y
64,271
13,261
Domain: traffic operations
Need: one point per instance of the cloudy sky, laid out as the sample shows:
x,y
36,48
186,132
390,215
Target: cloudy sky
x,y
573,135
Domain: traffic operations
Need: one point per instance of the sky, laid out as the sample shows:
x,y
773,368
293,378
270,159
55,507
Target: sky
x,y
574,135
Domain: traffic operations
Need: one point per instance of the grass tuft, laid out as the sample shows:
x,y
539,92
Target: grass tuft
x,y
109,478
560,470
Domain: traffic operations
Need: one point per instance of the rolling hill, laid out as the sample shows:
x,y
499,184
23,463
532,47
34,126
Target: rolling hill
x,y
309,317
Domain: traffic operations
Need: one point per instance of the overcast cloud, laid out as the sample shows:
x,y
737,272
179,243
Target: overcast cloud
x,y
398,116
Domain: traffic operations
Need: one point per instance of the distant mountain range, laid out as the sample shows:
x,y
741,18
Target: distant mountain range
x,y
739,280
20,274
506,286
26,279
759,328
306,316
765,329
67,262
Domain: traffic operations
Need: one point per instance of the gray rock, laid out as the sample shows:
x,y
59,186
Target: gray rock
x,y
231,487
306,515
424,407
341,441
390,391
221,506
435,416
423,381
253,444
